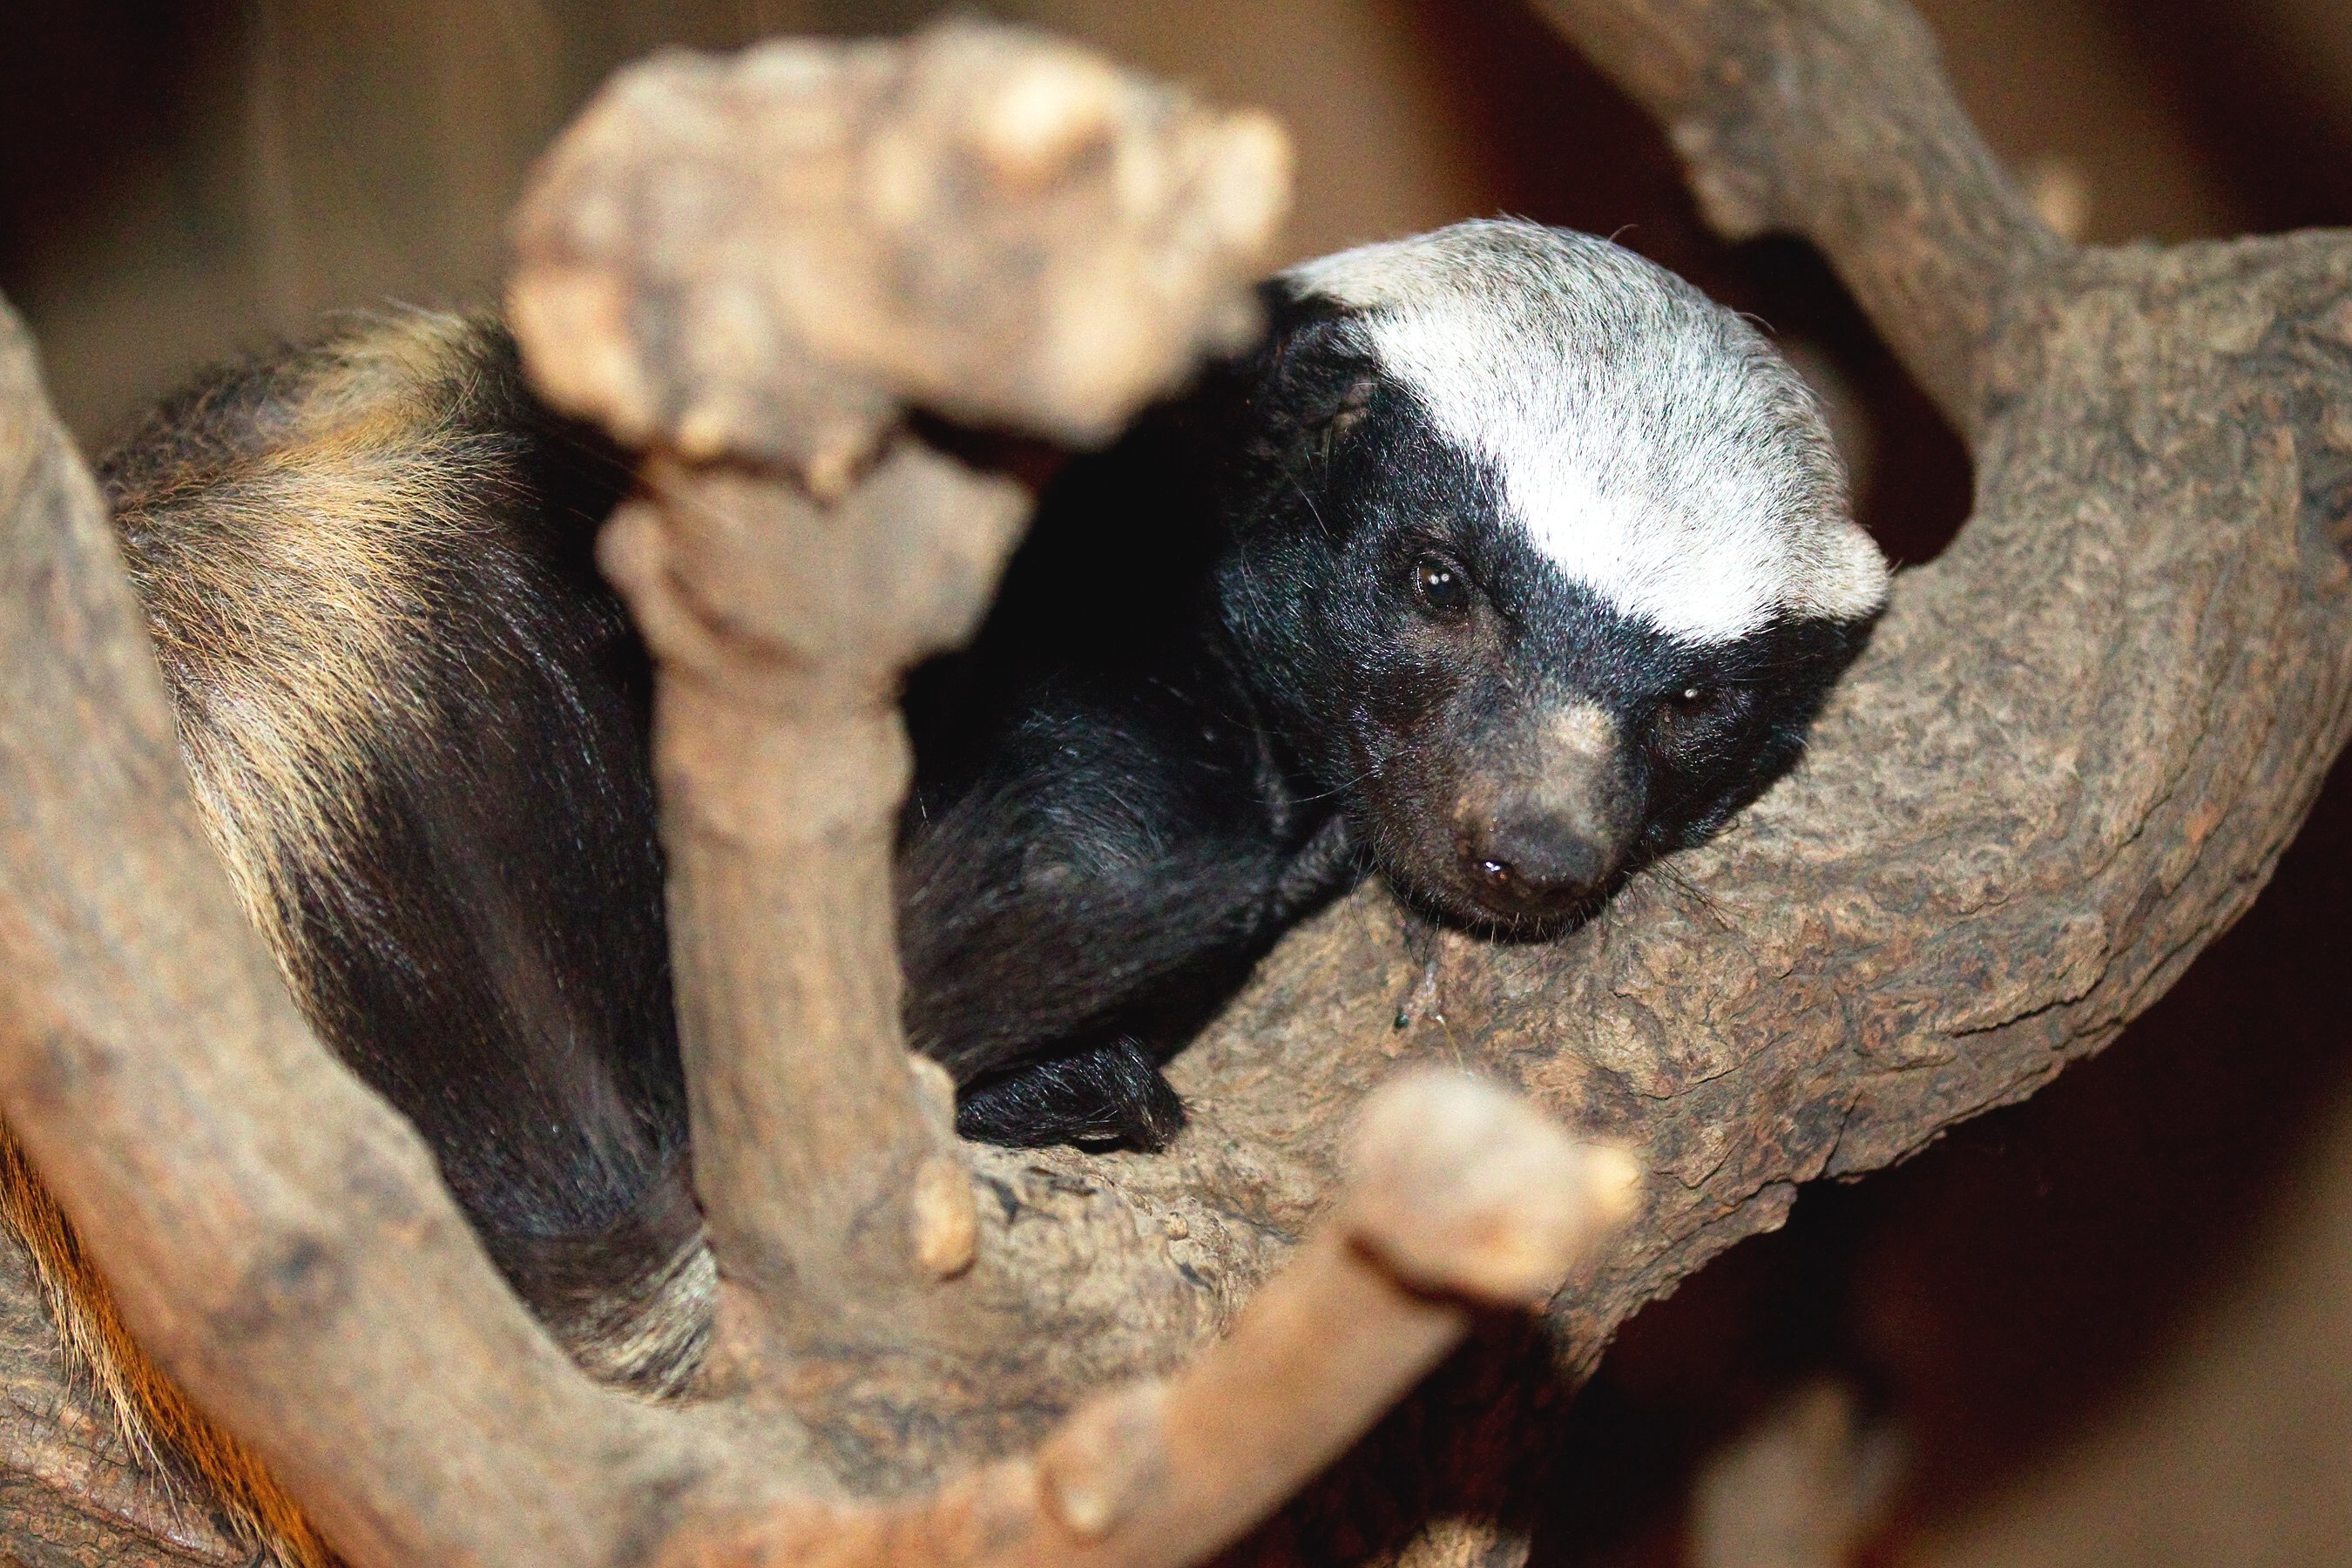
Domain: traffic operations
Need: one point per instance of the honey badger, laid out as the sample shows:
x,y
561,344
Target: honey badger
x,y
1507,564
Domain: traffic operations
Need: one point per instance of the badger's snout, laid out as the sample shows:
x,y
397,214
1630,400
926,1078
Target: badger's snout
x,y
1543,836
1536,863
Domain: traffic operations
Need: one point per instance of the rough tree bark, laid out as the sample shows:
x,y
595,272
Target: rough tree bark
x,y
2072,754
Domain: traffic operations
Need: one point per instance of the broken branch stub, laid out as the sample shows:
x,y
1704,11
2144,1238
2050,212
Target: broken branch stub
x,y
769,257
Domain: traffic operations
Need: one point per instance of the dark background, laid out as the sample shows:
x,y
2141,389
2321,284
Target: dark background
x,y
2112,1326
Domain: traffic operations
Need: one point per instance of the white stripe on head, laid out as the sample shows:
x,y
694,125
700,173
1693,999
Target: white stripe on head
x,y
1650,441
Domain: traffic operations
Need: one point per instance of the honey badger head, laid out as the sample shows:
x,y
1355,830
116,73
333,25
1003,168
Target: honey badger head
x,y
1540,561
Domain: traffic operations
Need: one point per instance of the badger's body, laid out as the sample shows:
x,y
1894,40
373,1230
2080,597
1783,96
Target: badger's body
x,y
1508,563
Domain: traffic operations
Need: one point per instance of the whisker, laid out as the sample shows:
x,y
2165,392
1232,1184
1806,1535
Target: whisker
x,y
1679,882
1312,511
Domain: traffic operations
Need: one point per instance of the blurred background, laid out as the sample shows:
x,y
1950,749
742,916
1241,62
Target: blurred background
x,y
2111,1326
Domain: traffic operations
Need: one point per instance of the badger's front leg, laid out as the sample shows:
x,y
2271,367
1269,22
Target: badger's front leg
x,y
1073,912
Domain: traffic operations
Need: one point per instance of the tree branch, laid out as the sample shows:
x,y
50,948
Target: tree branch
x,y
2072,756
1464,1199
781,762
275,1235
1025,238
1831,119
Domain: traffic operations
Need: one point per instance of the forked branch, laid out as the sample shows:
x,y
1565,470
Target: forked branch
x,y
1026,240
1464,1200
1831,119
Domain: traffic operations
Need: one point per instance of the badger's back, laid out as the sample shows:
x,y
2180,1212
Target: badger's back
x,y
415,720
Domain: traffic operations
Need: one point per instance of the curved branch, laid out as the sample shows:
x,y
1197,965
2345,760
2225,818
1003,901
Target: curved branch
x,y
1831,119
1462,1199
2072,756
275,1235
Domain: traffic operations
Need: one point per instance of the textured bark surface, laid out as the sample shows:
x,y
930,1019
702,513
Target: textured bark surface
x,y
2070,757
71,1493
2072,754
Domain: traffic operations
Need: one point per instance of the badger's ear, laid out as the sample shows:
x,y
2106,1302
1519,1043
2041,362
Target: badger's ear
x,y
1309,380
1297,321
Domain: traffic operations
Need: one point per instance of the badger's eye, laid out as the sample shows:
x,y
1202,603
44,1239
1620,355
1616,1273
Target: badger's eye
x,y
1691,703
1440,587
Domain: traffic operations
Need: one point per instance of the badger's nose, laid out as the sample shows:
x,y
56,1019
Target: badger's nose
x,y
1536,863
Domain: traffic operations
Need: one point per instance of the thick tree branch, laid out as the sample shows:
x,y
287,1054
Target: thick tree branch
x,y
1831,119
2078,744
277,1236
2072,754
779,626
1026,239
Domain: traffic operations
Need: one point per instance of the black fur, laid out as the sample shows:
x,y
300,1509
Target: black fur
x,y
1393,713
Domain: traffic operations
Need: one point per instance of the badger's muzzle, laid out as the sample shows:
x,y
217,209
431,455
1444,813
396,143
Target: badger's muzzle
x,y
1545,830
